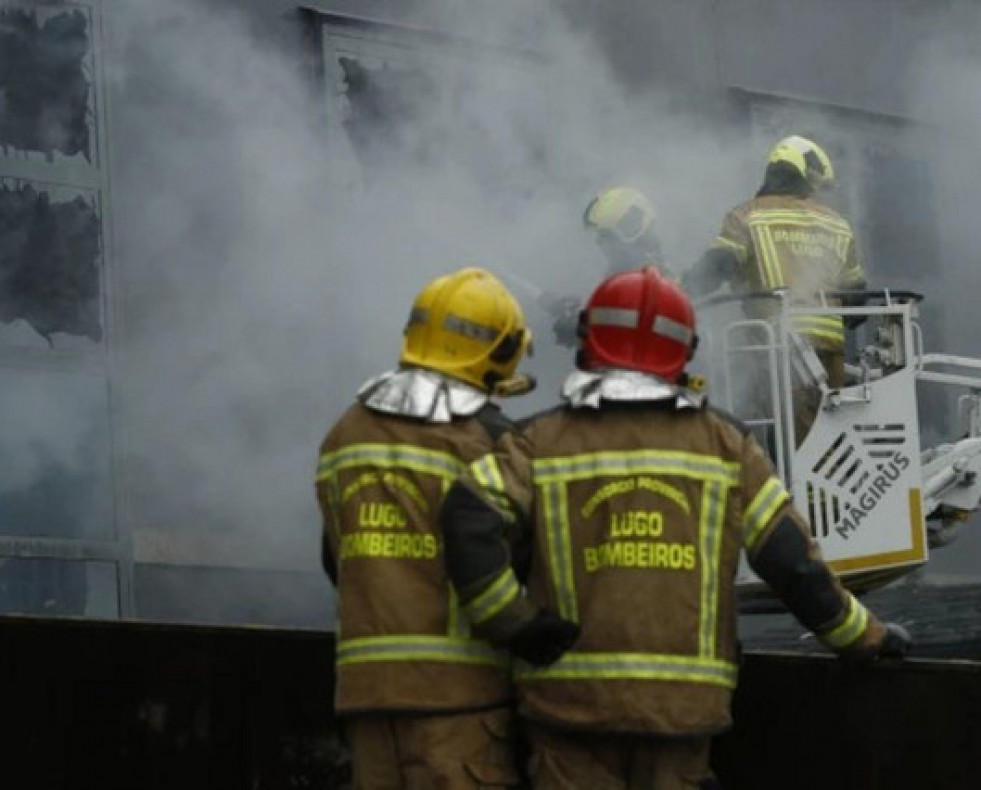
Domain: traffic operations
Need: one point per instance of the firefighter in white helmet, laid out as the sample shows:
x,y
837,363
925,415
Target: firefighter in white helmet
x,y
637,501
785,237
424,702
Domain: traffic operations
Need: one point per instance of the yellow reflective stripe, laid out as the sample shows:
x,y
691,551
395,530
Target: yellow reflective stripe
x,y
765,259
768,500
827,322
559,542
792,217
663,462
488,473
455,625
417,648
710,539
826,327
775,265
850,630
498,595
404,456
633,666
742,253
504,505
852,275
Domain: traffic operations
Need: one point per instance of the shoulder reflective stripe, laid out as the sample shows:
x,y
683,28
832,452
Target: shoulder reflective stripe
x,y
417,648
850,630
742,253
666,462
498,595
710,539
632,666
559,542
798,217
391,455
758,514
768,261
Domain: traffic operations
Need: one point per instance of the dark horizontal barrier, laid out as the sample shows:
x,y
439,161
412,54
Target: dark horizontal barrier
x,y
121,705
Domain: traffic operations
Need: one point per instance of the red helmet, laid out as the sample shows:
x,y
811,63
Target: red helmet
x,y
638,320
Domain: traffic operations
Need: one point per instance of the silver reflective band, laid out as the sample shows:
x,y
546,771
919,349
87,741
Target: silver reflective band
x,y
668,327
614,316
467,328
418,315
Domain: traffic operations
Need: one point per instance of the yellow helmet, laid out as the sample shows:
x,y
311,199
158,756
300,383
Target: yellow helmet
x,y
807,158
467,325
622,211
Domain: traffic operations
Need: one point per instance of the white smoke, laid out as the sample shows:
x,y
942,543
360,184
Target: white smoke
x,y
264,273
263,270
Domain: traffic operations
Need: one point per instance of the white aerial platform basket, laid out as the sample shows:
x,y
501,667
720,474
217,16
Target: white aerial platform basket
x,y
860,475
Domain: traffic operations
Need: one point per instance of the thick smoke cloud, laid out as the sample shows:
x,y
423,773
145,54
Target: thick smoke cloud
x,y
265,259
266,270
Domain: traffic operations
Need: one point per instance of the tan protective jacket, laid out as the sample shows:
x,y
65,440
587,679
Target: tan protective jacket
x,y
784,241
638,514
403,643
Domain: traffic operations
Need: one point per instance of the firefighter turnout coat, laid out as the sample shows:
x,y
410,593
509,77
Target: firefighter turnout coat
x,y
637,512
403,642
785,241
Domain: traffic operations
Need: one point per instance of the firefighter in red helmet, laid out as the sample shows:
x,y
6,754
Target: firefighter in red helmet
x,y
629,494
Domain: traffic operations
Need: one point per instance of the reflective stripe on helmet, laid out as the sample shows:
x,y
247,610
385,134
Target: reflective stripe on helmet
x,y
668,327
614,316
471,329
417,648
634,666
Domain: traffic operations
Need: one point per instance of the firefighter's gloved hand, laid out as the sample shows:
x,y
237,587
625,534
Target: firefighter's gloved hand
x,y
896,643
543,641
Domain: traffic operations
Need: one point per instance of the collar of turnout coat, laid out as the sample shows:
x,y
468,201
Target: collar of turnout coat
x,y
422,394
586,389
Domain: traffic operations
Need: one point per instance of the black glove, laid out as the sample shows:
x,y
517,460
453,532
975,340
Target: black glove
x,y
896,643
543,641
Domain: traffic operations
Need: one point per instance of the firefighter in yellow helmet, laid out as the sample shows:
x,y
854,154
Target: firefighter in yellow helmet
x,y
785,237
622,220
424,701
637,501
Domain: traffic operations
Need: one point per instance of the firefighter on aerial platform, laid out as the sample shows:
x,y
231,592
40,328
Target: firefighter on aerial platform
x,y
637,501
426,704
785,238
622,221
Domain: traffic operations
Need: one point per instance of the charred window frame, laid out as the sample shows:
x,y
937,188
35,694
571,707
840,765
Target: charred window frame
x,y
391,95
64,549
